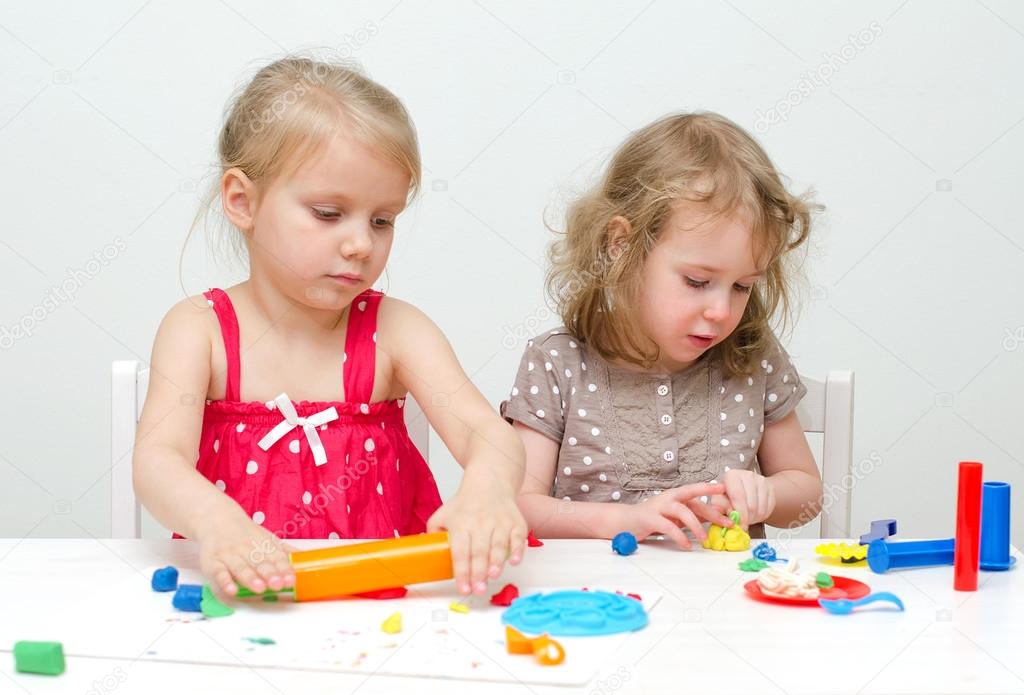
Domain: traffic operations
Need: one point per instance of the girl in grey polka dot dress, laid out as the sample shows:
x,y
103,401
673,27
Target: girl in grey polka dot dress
x,y
666,399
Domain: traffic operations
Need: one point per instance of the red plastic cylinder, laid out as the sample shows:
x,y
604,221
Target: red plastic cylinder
x,y
968,527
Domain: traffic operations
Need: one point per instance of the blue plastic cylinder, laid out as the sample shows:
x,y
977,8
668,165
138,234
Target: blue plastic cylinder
x,y
995,527
883,555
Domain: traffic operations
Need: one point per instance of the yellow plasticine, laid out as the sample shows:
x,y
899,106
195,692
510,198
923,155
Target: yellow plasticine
x,y
848,554
732,539
457,607
393,624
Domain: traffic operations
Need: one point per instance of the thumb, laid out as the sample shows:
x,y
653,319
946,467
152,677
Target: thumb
x,y
437,522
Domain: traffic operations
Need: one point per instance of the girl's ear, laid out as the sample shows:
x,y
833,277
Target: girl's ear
x,y
619,230
238,195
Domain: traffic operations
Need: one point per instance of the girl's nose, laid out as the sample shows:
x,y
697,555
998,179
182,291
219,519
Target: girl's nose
x,y
357,242
717,308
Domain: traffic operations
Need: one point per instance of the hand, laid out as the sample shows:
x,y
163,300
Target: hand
x,y
666,512
485,529
749,493
234,549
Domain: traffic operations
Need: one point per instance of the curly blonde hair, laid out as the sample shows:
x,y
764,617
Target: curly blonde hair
x,y
698,157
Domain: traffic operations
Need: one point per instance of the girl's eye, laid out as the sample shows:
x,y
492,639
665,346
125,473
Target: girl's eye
x,y
324,214
383,222
701,284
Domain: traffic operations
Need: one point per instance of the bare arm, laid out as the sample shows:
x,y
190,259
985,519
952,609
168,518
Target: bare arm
x,y
482,519
232,546
786,460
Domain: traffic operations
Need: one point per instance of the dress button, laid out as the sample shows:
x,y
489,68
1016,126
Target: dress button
x,y
666,419
663,390
668,456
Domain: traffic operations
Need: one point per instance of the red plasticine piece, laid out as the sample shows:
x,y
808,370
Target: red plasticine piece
x,y
508,593
385,594
531,540
636,596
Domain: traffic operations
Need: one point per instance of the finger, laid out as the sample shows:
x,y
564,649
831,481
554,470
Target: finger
x,y
460,561
244,574
480,548
517,543
738,500
222,578
436,522
268,573
710,513
681,494
687,518
499,553
669,529
753,508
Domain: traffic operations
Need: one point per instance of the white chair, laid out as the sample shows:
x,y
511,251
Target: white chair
x,y
827,409
128,392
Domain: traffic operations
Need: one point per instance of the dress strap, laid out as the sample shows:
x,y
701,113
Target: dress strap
x,y
218,299
360,358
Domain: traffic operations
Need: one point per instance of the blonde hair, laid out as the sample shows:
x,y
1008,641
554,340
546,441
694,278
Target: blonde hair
x,y
293,106
699,157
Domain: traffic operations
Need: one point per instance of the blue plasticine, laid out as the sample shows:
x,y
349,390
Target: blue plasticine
x,y
765,552
883,555
165,579
188,597
995,527
624,543
575,614
882,528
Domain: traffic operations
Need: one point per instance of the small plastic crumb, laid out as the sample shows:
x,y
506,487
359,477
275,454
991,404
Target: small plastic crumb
x,y
393,624
188,598
531,540
385,594
624,543
46,658
165,579
259,640
753,564
456,607
636,596
211,606
824,580
506,596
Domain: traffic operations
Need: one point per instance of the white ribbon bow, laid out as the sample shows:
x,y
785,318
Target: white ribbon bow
x,y
308,424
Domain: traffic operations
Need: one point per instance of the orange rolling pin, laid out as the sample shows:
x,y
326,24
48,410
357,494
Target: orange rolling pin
x,y
330,573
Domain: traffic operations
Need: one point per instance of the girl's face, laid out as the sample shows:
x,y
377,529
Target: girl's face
x,y
695,284
323,234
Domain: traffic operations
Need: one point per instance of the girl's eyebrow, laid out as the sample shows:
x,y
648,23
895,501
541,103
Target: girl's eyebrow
x,y
719,270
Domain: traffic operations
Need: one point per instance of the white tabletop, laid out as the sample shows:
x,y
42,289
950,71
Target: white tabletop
x,y
706,635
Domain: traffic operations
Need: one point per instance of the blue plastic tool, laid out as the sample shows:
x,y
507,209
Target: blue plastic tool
x,y
188,597
880,528
845,606
165,579
995,527
575,613
883,555
624,543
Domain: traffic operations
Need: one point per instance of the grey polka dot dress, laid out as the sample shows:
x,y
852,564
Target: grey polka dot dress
x,y
626,435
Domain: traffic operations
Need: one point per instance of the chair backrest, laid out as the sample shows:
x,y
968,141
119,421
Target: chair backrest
x,y
828,409
129,385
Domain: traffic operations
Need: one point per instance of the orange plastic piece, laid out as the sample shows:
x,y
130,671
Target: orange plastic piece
x,y
328,573
541,647
516,642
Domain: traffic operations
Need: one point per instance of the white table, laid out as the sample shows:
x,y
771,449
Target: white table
x,y
705,636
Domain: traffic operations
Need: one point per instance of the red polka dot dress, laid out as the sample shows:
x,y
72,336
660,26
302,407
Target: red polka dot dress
x,y
318,469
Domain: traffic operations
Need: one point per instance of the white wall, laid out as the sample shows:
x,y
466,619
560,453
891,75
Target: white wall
x,y
108,119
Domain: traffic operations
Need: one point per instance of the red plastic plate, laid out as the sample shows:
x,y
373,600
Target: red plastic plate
x,y
844,588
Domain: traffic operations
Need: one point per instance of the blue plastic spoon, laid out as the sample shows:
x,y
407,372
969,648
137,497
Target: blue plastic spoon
x,y
845,606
